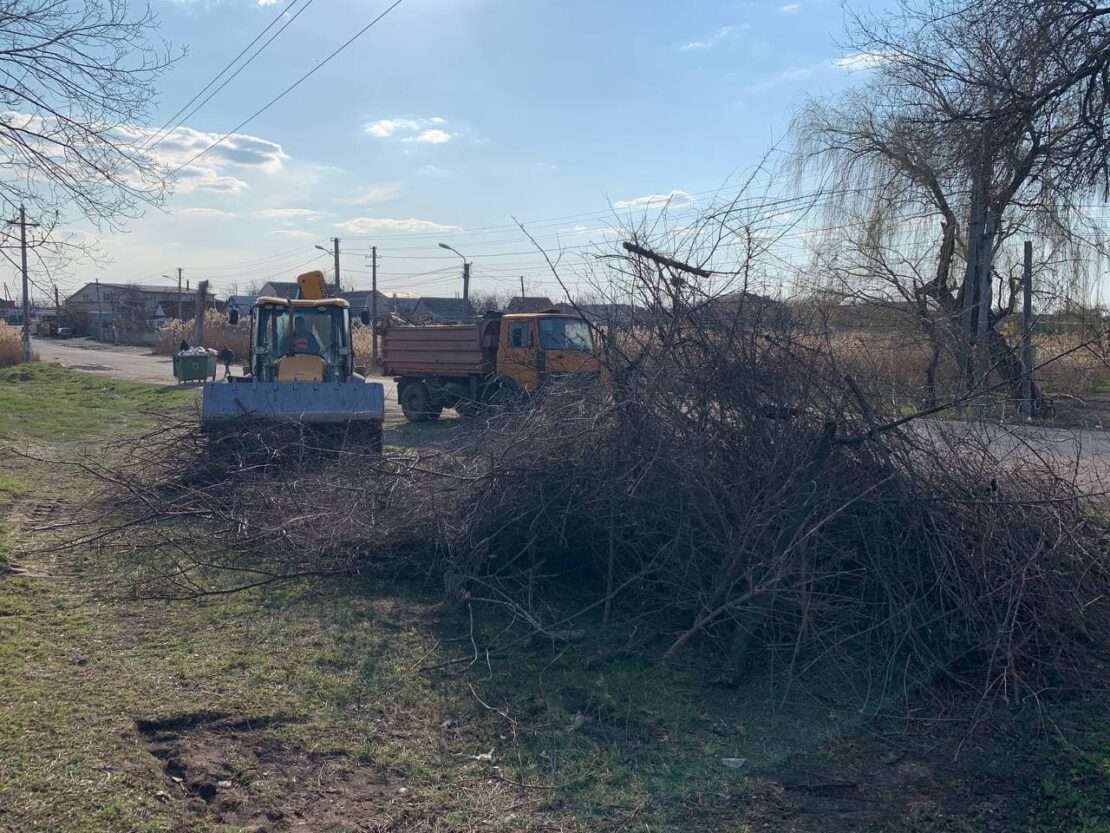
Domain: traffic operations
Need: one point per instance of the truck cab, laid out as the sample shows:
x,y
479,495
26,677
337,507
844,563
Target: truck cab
x,y
531,348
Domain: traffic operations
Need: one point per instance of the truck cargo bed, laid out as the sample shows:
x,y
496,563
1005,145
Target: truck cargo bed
x,y
434,350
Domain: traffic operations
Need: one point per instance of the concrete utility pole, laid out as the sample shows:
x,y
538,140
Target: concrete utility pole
x,y
374,306
57,310
180,299
22,223
335,254
522,287
466,270
1027,332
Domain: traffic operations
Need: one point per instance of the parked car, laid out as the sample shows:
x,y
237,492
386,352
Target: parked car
x,y
64,332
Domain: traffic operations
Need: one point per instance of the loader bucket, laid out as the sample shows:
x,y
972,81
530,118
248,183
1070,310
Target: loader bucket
x,y
306,402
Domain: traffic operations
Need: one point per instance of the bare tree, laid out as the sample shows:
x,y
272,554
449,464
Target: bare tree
x,y
76,83
989,117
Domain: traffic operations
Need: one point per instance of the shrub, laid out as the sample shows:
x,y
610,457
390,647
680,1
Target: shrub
x,y
218,333
11,345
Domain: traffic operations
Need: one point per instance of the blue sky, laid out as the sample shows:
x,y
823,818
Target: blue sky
x,y
450,117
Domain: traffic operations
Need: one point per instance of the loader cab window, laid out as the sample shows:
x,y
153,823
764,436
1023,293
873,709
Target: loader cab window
x,y
520,334
319,331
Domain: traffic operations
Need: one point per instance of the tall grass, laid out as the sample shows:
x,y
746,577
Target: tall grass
x,y
218,333
11,346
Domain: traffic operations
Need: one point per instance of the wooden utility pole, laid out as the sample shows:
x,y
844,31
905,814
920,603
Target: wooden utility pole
x,y
1027,332
22,223
202,292
99,312
374,307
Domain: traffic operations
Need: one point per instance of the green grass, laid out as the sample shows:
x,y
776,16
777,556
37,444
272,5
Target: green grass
x,y
583,737
44,403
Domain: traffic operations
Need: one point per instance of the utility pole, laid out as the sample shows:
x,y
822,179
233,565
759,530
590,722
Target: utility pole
x,y
522,287
466,270
1027,332
202,292
374,307
22,223
99,312
335,255
57,310
335,243
180,299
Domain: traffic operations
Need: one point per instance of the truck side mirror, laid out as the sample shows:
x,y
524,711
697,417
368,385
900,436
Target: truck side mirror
x,y
364,316
233,316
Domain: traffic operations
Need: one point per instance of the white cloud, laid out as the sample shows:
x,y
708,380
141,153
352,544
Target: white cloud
x,y
289,215
292,233
789,8
433,170
673,200
432,136
375,194
369,225
723,34
267,2
423,130
862,61
204,213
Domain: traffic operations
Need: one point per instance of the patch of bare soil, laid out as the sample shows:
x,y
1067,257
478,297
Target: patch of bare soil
x,y
230,770
871,785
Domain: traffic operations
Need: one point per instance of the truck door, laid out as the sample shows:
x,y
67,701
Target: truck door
x,y
516,355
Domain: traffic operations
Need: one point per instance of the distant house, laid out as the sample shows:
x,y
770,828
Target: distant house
x,y
280,289
125,309
242,304
610,315
361,299
525,303
443,311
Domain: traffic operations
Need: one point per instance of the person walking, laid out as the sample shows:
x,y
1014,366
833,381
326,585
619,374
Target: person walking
x,y
226,357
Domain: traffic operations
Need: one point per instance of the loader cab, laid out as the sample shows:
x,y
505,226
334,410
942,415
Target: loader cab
x,y
301,340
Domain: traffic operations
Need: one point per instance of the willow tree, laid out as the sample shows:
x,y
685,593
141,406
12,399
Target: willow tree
x,y
989,117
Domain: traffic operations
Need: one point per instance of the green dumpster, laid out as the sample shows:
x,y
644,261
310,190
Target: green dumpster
x,y
194,368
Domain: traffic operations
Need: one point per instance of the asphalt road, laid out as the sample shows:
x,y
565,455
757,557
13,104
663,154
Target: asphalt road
x,y
136,364
1085,451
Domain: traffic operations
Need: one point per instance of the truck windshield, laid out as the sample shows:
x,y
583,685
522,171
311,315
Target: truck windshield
x,y
565,334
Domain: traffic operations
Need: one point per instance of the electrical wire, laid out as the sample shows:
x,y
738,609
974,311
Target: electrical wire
x,y
158,136
291,87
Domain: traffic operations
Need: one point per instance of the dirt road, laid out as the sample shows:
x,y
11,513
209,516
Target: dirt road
x,y
136,364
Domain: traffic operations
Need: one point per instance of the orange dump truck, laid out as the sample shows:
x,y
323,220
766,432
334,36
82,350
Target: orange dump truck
x,y
465,366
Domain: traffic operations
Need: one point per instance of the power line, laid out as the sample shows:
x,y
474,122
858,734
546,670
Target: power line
x,y
154,139
291,87
244,65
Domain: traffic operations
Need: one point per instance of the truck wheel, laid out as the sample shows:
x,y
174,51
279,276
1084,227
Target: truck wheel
x,y
415,403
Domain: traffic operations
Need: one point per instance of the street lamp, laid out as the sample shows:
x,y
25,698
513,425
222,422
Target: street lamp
x,y
466,270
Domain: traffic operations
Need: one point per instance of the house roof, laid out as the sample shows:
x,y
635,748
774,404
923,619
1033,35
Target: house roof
x,y
445,309
529,303
283,289
241,301
153,289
